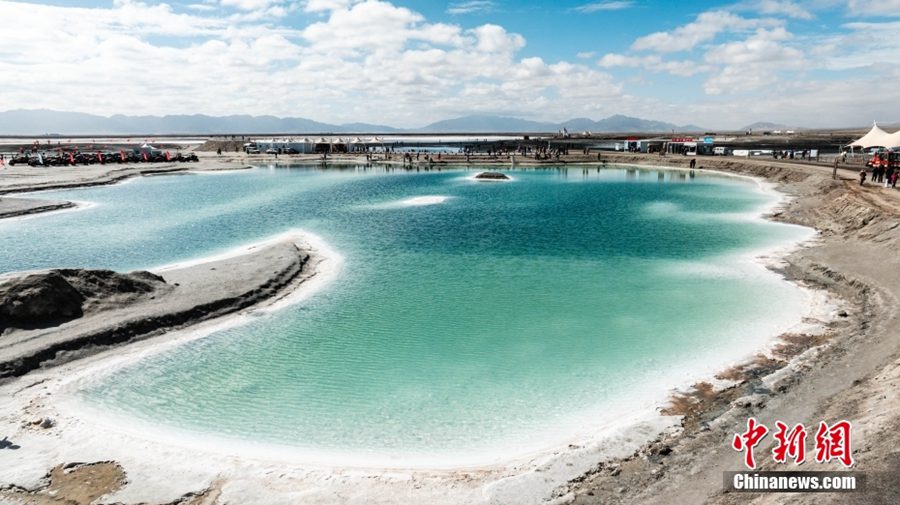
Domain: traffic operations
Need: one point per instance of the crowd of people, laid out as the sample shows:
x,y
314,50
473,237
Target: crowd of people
x,y
881,175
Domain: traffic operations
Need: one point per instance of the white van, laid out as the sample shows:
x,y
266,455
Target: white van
x,y
720,151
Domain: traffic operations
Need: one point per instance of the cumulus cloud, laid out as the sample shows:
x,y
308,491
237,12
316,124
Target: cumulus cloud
x,y
860,44
620,60
874,7
703,29
785,8
752,63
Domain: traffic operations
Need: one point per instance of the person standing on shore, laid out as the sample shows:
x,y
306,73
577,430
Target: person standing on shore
x,y
862,177
834,171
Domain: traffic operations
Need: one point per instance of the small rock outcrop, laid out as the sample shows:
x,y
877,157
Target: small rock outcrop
x,y
37,298
492,176
50,298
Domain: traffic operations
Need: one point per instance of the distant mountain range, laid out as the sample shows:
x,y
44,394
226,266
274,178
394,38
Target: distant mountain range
x,y
40,122
48,122
613,124
763,125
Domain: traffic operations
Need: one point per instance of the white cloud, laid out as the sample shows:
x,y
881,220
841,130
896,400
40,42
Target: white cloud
x,y
605,6
620,60
789,9
326,5
250,5
753,63
860,45
585,55
495,39
471,6
703,29
201,7
653,63
874,7
853,101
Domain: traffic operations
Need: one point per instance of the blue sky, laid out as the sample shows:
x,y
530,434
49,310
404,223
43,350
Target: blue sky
x,y
811,63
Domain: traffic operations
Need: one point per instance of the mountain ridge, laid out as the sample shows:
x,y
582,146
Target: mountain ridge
x,y
41,122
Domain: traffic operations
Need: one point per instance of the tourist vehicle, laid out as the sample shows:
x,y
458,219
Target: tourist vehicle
x,y
885,158
21,158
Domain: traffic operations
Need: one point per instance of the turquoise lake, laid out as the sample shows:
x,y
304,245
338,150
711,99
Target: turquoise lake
x,y
505,318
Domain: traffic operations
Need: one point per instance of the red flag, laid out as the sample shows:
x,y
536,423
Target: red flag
x,y
167,155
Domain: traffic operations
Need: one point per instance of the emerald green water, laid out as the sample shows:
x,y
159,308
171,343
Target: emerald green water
x,y
504,318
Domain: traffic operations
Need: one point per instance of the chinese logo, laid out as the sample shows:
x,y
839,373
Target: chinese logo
x,y
832,442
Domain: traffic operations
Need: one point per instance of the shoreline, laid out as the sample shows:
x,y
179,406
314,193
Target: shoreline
x,y
19,207
156,303
508,480
787,385
27,180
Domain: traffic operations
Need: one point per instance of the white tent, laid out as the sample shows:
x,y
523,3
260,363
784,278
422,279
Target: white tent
x,y
875,138
893,140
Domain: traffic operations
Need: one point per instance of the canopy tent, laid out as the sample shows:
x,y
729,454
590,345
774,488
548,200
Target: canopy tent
x,y
875,138
893,140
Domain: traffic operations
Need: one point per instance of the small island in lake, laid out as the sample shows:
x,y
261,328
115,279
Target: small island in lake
x,y
492,176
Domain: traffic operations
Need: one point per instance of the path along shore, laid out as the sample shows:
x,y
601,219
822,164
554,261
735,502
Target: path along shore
x,y
852,372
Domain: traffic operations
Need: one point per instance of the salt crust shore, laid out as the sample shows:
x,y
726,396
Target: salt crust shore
x,y
241,479
27,179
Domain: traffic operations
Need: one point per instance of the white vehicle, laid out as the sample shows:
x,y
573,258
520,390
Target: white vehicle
x,y
720,151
